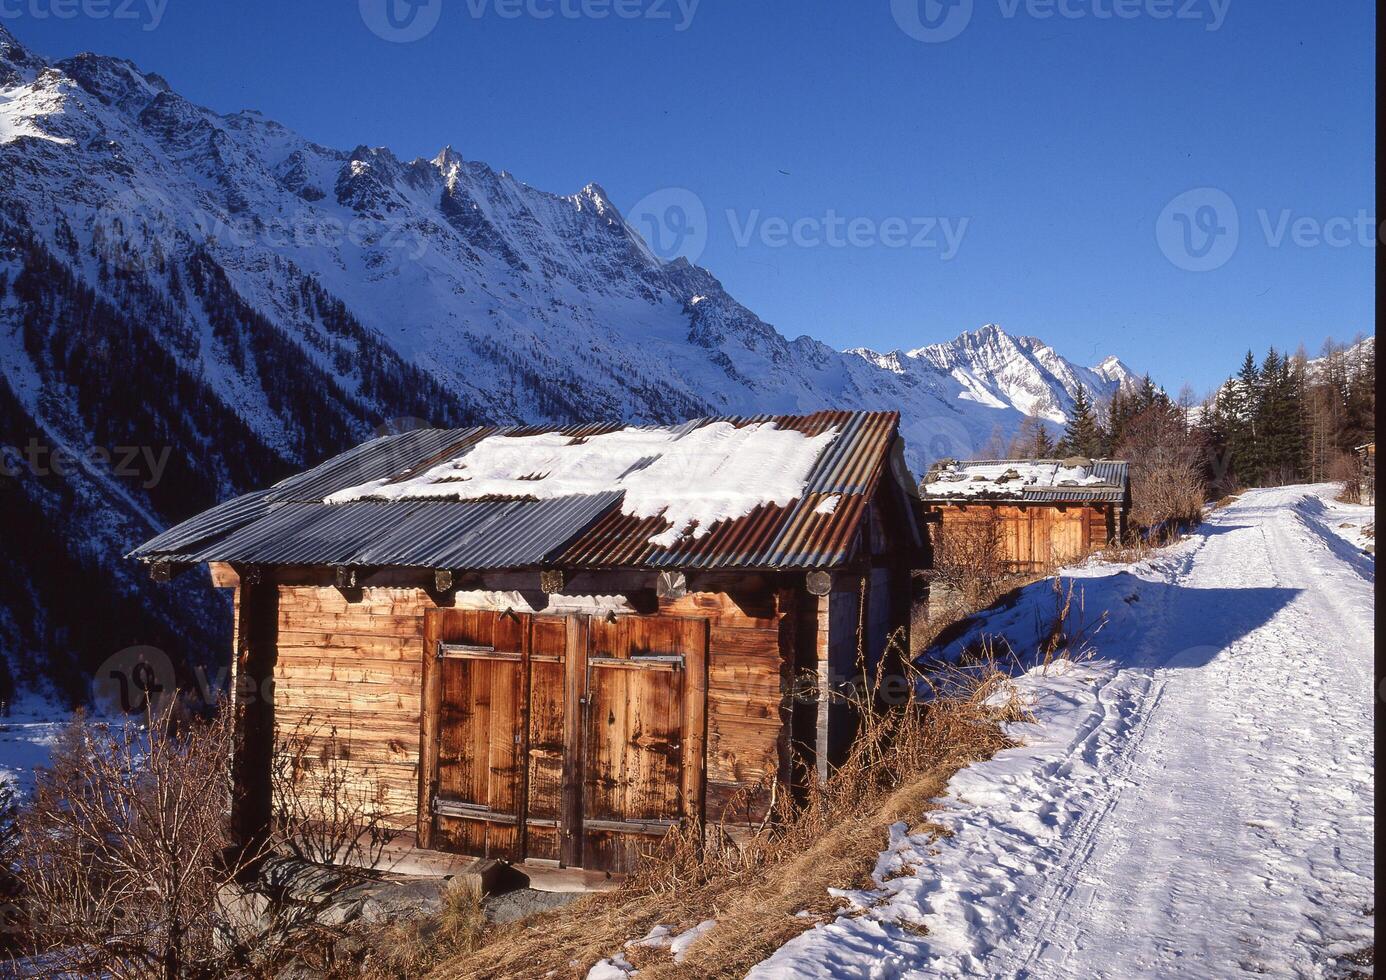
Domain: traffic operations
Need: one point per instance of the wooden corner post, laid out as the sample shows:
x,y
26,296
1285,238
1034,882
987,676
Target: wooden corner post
x,y
257,638
430,707
574,741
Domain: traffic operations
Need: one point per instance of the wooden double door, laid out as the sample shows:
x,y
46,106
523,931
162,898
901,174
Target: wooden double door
x,y
575,739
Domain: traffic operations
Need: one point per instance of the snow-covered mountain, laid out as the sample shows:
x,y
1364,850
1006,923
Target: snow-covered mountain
x,y
218,286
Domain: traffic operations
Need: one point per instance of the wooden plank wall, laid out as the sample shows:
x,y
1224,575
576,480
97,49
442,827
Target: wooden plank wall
x,y
1036,537
354,669
747,699
351,666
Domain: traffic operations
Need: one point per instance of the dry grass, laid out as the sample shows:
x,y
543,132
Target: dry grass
x,y
754,889
415,947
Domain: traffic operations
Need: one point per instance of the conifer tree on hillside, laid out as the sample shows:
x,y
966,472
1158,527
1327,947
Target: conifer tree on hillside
x,y
1032,440
1242,395
1282,420
1083,436
1120,411
1278,446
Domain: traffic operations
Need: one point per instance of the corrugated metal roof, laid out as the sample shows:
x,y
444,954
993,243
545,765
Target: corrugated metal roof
x,y
290,525
1114,474
1095,495
207,526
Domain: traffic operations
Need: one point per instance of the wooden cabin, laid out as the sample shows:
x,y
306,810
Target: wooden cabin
x,y
1049,512
552,645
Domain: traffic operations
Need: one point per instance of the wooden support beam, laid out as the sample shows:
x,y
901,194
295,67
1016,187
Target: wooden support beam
x,y
695,722
574,730
819,583
165,571
223,575
257,636
823,669
430,710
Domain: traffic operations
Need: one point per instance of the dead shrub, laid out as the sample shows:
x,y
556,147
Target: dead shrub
x,y
968,558
1167,493
970,573
124,864
324,811
1168,461
1346,469
124,848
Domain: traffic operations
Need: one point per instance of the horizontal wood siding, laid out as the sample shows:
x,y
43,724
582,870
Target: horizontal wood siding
x,y
349,674
1036,537
348,677
748,733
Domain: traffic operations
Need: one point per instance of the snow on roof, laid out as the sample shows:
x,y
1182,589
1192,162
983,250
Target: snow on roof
x,y
1012,478
694,478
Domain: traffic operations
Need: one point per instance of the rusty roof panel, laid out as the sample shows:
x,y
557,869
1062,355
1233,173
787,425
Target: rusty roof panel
x,y
290,525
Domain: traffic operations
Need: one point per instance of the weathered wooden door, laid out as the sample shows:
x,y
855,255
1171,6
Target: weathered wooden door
x,y
576,739
479,674
1067,539
645,724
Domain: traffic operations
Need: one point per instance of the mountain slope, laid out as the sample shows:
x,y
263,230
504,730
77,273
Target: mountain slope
x,y
220,287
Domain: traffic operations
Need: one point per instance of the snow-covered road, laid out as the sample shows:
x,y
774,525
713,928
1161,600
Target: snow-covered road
x,y
1196,802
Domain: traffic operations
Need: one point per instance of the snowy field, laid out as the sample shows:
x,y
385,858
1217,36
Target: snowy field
x,y
1196,802
26,737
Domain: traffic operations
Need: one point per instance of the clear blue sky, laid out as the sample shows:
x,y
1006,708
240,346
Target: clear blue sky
x,y
1060,139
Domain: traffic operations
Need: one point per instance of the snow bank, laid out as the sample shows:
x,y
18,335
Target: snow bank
x,y
1197,803
693,478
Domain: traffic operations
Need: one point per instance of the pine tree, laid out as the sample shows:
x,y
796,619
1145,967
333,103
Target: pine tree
x,y
1240,397
1278,442
1120,411
1083,436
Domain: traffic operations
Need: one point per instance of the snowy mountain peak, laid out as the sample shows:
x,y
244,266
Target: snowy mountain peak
x,y
1002,371
448,161
1113,369
291,298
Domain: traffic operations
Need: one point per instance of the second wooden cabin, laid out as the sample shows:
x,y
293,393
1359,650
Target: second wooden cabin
x,y
1045,512
552,645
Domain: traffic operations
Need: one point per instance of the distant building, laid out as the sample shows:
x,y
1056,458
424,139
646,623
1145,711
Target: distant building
x,y
550,645
1051,512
